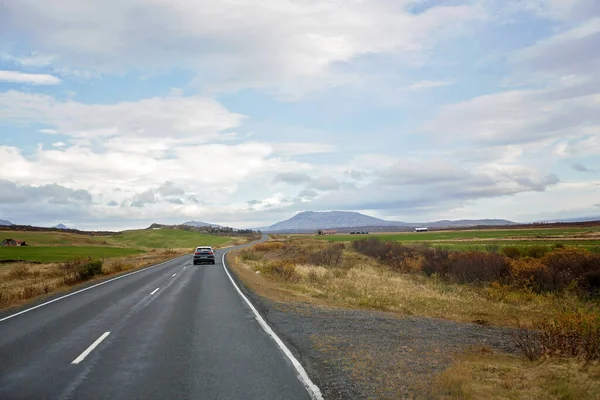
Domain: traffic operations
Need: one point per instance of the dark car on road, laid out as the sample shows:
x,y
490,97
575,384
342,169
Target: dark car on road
x,y
204,254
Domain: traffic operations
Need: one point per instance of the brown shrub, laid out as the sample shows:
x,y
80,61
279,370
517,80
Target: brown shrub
x,y
512,252
281,269
567,265
536,251
477,266
80,269
250,255
331,256
399,257
572,334
269,246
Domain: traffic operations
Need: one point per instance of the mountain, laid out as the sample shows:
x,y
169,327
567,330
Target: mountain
x,y
309,221
5,223
60,226
200,224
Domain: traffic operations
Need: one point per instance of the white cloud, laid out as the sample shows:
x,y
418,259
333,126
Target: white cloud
x,y
123,125
59,144
233,41
428,85
30,79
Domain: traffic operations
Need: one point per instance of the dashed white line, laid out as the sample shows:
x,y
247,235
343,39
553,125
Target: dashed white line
x,y
312,389
86,289
173,276
155,290
90,349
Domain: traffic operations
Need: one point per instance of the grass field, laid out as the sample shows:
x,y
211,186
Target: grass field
x,y
480,239
62,246
166,239
63,253
159,239
54,238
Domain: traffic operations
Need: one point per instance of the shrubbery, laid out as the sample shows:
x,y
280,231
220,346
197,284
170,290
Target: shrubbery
x,y
331,256
282,269
538,268
571,333
80,269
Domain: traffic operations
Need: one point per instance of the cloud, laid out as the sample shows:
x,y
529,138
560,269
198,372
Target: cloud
x,y
228,50
308,194
30,79
130,126
324,183
580,167
59,144
169,189
11,192
292,178
428,85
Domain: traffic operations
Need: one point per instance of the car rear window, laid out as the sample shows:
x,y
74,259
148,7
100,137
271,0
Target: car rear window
x,y
204,249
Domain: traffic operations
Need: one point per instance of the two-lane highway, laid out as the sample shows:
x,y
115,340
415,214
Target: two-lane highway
x,y
173,331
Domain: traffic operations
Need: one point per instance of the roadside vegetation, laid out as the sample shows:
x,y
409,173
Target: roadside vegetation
x,y
549,295
55,261
21,282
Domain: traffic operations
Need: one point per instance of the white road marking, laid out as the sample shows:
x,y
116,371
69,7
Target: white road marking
x,y
87,288
173,276
87,351
312,389
155,290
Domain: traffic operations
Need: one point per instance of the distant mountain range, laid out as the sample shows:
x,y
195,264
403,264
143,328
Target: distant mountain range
x,y
60,226
309,221
5,223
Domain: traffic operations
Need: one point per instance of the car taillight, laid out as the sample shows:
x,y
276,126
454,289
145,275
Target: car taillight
x,y
196,253
211,253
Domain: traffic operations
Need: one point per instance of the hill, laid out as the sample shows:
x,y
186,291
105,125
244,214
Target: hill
x,y
60,226
310,221
5,223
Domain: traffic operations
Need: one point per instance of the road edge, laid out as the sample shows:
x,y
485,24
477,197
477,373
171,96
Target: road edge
x,y
312,389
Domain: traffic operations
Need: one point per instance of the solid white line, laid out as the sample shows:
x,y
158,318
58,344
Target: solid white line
x,y
173,276
155,290
312,389
90,349
87,288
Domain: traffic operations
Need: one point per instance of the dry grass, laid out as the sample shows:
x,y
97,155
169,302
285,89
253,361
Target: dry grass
x,y
23,282
362,282
486,375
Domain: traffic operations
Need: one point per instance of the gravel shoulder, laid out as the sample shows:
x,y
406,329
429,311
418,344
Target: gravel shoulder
x,y
363,354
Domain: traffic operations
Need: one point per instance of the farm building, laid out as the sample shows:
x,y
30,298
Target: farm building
x,y
420,229
326,232
12,243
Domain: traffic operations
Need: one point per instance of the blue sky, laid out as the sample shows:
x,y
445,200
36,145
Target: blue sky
x,y
120,114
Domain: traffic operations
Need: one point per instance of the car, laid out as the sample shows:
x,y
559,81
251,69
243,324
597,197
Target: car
x,y
204,254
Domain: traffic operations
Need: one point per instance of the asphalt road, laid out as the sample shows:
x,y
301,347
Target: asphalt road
x,y
174,331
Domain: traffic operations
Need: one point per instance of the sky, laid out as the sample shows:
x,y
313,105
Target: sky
x,y
121,113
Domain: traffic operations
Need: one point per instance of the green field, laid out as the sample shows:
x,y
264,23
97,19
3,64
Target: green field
x,y
63,253
61,246
166,239
155,239
482,239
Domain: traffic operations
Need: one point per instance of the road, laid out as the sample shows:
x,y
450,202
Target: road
x,y
173,331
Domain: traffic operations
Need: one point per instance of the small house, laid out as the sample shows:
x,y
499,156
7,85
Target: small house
x,y
12,243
